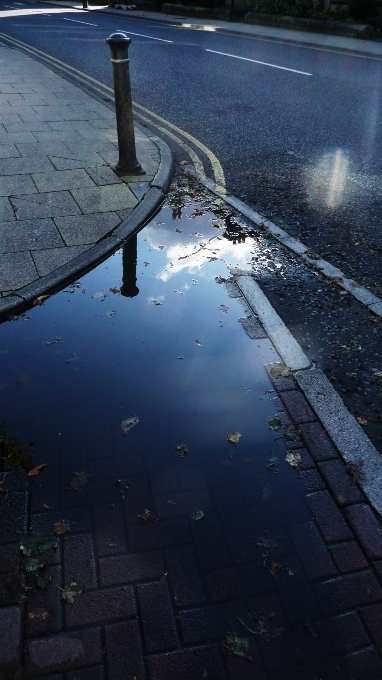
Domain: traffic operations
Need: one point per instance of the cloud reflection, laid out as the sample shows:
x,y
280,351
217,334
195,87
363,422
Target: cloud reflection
x,y
192,255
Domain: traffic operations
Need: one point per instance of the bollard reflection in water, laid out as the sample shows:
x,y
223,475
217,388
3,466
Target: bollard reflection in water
x,y
129,268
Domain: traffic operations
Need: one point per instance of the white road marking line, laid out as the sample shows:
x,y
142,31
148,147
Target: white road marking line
x,y
123,30
80,22
263,63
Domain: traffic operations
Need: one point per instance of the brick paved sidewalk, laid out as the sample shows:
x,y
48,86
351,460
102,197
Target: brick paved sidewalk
x,y
156,600
62,207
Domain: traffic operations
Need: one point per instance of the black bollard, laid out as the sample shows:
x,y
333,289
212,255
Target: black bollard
x,y
119,44
84,4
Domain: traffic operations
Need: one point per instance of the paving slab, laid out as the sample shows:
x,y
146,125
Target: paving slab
x,y
60,197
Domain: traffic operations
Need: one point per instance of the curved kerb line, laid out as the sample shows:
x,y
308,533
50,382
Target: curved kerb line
x,y
102,89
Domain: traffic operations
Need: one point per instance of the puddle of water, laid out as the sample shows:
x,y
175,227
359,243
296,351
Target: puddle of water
x,y
151,334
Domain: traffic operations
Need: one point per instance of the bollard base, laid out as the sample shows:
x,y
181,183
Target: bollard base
x,y
135,170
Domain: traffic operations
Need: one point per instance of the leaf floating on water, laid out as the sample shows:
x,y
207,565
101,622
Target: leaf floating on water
x,y
146,516
54,342
33,564
197,514
234,438
181,450
308,629
197,342
38,615
274,423
61,527
101,295
114,290
79,480
111,313
37,470
127,424
275,568
156,303
40,299
179,231
261,624
224,308
293,458
235,646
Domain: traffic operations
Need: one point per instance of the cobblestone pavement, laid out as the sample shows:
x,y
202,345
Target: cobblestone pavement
x,y
61,204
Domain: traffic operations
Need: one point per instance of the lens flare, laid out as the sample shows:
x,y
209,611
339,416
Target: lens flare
x,y
330,179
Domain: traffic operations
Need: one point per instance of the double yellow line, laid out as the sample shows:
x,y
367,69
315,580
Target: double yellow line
x,y
141,112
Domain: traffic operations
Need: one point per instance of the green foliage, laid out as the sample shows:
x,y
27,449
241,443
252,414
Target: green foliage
x,y
362,9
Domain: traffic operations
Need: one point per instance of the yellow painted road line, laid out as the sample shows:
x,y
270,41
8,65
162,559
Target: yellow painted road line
x,y
194,157
216,167
103,89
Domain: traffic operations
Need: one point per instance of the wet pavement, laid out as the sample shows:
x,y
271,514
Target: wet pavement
x,y
168,536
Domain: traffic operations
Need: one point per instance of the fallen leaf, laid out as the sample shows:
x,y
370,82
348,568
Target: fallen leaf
x,y
33,564
146,516
181,450
37,470
275,568
79,480
293,458
308,628
274,423
183,163
197,342
262,625
114,290
361,421
234,438
280,371
68,594
129,423
235,646
38,615
61,527
197,514
40,299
